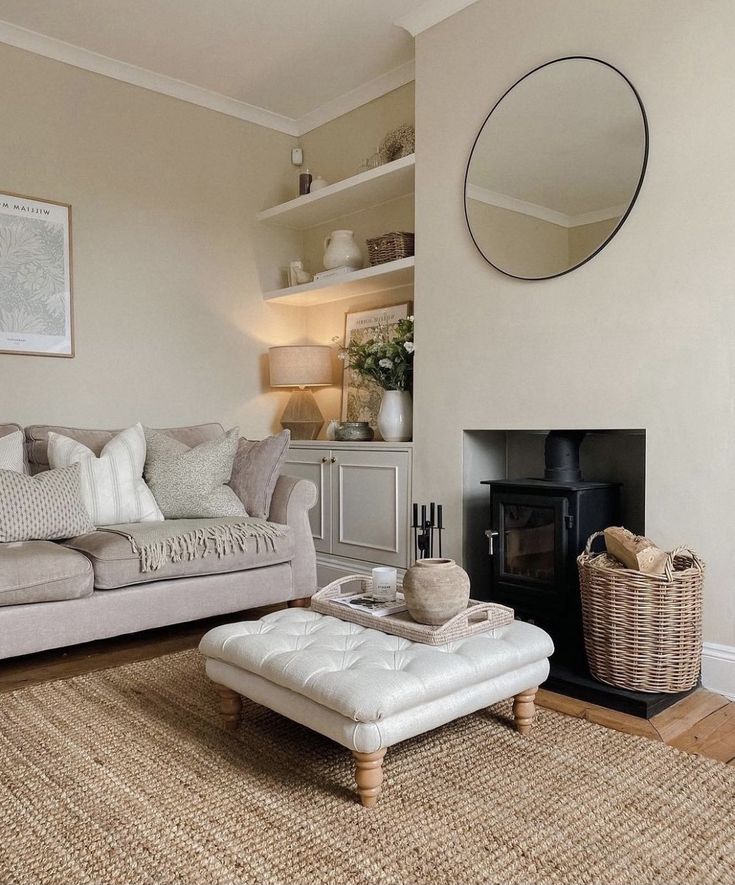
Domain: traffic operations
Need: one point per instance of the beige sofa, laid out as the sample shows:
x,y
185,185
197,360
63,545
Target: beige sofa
x,y
58,594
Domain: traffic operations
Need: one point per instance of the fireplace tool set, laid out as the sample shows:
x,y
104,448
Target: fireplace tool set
x,y
426,529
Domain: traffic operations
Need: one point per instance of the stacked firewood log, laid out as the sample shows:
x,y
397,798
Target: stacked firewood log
x,y
634,551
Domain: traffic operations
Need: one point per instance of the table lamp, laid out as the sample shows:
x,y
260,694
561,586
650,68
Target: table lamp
x,y
301,366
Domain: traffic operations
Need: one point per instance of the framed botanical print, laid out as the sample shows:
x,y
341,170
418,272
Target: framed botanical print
x,y
35,277
361,396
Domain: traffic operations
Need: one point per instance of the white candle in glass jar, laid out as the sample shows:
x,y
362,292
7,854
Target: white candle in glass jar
x,y
384,584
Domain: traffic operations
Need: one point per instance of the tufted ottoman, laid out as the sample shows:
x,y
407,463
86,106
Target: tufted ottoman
x,y
368,690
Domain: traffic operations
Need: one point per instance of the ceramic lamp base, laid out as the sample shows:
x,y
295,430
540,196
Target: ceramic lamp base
x,y
302,416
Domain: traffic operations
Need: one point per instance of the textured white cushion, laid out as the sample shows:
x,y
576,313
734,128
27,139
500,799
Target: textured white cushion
x,y
11,452
113,489
366,675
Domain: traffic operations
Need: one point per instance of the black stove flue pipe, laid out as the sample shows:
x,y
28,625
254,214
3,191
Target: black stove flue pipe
x,y
561,455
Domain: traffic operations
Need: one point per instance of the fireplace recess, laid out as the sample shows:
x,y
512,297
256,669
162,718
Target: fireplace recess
x,y
538,527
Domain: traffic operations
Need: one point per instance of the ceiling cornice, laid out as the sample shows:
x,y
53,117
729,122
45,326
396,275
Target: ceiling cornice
x,y
58,50
357,97
50,47
429,14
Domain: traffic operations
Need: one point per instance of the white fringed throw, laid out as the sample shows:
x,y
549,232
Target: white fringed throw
x,y
174,540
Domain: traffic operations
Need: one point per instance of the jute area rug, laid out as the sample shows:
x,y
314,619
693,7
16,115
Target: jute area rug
x,y
125,776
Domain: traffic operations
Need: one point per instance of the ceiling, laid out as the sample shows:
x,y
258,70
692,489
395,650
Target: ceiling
x,y
301,61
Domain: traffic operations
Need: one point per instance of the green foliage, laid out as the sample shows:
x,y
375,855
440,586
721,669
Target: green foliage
x,y
386,358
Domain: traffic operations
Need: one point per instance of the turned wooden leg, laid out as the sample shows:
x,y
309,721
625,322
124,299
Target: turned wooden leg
x,y
230,706
304,602
369,776
524,710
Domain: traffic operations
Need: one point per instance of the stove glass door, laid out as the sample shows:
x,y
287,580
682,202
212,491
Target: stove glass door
x,y
532,538
528,542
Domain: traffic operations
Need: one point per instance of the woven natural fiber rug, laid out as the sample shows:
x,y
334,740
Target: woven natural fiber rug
x,y
125,776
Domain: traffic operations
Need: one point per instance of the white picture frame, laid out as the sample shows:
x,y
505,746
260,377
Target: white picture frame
x,y
36,309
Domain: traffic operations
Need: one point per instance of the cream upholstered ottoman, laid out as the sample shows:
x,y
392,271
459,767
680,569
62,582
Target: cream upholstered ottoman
x,y
368,690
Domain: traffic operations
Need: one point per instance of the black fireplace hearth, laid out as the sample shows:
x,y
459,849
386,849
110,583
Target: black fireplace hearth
x,y
538,527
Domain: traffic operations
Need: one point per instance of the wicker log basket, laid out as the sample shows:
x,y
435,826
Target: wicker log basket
x,y
642,632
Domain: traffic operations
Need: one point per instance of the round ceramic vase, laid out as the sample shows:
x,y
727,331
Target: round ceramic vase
x,y
395,418
341,250
435,590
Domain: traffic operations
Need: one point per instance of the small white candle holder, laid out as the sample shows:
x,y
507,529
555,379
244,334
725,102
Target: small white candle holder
x,y
384,584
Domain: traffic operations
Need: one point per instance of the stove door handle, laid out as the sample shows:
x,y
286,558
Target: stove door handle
x,y
490,534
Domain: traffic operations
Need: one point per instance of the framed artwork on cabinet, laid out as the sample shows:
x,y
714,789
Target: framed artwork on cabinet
x,y
35,277
361,396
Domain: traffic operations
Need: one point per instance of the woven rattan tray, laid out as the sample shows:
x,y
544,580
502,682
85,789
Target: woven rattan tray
x,y
478,617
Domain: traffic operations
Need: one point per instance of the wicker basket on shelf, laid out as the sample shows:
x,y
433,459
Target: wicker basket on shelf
x,y
642,632
390,247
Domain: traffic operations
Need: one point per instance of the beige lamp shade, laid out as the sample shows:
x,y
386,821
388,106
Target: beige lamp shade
x,y
302,365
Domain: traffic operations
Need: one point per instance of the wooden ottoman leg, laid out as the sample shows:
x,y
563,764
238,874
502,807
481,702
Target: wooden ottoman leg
x,y
303,602
230,706
524,710
369,776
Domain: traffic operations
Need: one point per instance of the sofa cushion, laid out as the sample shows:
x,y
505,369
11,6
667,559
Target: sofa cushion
x,y
189,483
256,470
116,565
11,451
37,439
41,571
113,489
47,507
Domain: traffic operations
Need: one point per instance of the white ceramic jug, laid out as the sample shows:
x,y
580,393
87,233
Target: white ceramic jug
x,y
341,250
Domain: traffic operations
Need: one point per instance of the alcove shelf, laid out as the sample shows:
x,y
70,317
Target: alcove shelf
x,y
370,188
380,278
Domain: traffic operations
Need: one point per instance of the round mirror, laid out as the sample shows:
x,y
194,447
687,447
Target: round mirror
x,y
556,168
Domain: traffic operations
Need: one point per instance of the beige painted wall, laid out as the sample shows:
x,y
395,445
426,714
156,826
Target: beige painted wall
x,y
641,336
170,324
336,149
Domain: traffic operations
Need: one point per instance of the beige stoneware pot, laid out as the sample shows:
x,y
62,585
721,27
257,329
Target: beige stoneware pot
x,y
435,590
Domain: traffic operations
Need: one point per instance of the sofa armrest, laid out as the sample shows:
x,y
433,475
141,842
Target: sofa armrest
x,y
292,500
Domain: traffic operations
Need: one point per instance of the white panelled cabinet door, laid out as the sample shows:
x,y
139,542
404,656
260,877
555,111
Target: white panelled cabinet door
x,y
370,492
315,464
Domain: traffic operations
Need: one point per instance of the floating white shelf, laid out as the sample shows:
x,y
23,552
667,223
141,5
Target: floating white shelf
x,y
362,191
381,278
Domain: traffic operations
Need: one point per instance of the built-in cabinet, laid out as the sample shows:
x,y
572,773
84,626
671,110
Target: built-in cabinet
x,y
361,517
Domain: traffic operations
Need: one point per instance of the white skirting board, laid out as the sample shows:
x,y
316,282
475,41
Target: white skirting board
x,y
718,668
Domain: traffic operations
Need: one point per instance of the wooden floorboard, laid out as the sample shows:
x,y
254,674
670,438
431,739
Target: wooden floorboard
x,y
704,722
682,717
713,736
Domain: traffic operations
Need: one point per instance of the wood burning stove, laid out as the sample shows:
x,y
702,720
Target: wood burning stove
x,y
538,527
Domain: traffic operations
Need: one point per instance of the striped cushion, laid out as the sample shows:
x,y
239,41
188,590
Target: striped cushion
x,y
113,489
11,452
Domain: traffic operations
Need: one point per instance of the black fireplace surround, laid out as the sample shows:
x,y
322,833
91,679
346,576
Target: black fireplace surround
x,y
538,528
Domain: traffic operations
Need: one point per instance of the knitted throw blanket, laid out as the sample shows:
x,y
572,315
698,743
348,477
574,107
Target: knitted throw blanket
x,y
174,540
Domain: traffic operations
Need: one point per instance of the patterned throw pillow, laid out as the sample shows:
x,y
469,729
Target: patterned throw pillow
x,y
189,483
46,507
11,452
256,470
113,489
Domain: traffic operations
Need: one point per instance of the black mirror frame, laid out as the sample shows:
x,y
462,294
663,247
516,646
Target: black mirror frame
x,y
635,194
